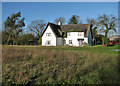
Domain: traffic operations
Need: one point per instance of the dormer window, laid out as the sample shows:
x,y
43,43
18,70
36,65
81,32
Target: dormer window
x,y
79,34
68,34
48,34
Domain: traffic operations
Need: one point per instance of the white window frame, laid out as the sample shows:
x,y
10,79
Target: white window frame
x,y
68,34
80,34
70,41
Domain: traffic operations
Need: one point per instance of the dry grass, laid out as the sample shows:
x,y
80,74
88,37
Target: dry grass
x,y
37,65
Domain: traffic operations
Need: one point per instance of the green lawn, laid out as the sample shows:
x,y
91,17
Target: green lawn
x,y
60,65
91,49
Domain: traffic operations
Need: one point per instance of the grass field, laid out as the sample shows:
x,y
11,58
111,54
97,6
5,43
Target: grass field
x,y
59,65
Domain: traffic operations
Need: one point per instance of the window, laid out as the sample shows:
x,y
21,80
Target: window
x,y
70,41
48,42
48,34
68,34
79,34
64,42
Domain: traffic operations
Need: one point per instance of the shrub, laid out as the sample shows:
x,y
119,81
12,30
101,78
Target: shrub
x,y
40,41
85,44
99,42
105,41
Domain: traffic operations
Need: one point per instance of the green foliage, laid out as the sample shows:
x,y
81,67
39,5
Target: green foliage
x,y
99,38
27,39
40,41
105,41
99,42
12,28
4,37
85,44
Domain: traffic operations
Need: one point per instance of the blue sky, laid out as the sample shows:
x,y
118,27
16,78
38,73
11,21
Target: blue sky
x,y
48,11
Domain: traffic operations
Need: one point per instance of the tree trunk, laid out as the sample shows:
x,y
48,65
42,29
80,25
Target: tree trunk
x,y
106,33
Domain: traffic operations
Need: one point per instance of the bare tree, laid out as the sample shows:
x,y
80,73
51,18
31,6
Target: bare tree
x,y
107,23
37,27
81,22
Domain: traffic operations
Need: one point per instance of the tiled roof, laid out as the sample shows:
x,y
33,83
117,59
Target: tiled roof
x,y
76,28
61,30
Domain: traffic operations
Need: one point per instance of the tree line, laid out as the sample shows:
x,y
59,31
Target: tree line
x,y
13,29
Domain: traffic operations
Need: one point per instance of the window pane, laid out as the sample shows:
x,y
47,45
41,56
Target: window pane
x,y
48,34
70,41
79,34
64,41
48,42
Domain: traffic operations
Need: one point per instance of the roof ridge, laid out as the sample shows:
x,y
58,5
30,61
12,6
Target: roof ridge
x,y
73,24
68,25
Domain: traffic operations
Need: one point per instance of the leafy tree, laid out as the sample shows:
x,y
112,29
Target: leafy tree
x,y
74,20
37,27
99,38
4,37
12,28
27,39
61,19
107,23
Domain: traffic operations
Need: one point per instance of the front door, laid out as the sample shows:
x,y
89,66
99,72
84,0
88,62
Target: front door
x,y
48,42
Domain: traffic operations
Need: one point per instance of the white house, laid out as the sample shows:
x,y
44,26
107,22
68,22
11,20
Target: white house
x,y
72,35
